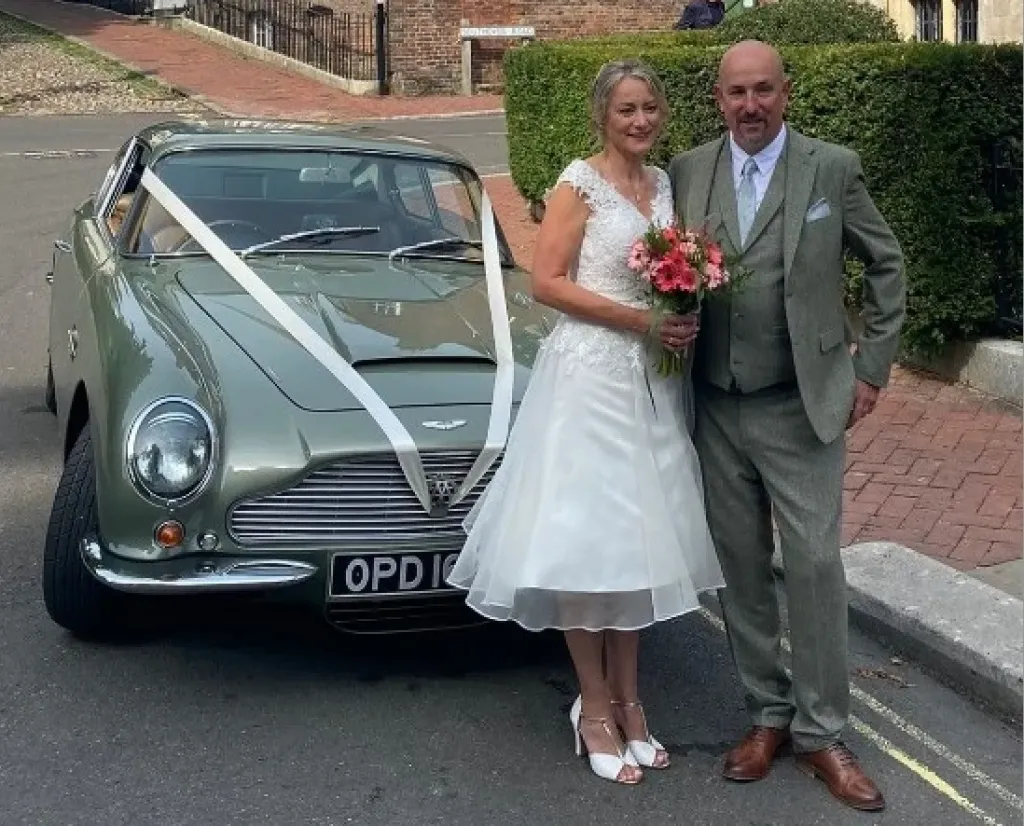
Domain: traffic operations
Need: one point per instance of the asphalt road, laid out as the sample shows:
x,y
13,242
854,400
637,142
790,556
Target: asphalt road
x,y
244,714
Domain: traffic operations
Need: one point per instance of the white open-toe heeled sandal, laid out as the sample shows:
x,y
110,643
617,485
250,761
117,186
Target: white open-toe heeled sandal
x,y
605,766
645,751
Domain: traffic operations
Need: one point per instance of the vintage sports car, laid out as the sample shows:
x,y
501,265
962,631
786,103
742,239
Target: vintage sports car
x,y
283,359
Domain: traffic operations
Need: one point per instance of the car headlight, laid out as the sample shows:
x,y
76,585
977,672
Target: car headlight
x,y
170,449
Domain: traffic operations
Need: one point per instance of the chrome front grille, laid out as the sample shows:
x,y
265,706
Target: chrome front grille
x,y
363,499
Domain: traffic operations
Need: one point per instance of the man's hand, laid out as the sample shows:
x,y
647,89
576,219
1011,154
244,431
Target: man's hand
x,y
865,398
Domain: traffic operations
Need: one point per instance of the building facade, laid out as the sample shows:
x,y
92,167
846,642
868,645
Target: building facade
x,y
425,50
957,21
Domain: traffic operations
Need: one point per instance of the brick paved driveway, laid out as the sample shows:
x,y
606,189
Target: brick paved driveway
x,y
937,468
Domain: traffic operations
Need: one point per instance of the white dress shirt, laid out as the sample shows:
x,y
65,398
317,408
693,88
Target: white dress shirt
x,y
766,160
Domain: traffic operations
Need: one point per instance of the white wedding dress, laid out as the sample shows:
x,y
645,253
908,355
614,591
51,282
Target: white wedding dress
x,y
595,518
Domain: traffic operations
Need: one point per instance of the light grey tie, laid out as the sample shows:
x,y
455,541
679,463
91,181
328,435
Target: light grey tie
x,y
746,198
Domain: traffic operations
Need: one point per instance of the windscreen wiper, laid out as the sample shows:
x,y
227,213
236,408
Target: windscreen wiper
x,y
452,241
322,232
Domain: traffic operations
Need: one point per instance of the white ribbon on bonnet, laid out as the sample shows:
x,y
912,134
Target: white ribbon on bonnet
x,y
396,433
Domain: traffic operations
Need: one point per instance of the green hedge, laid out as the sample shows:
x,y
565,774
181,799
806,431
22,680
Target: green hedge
x,y
922,116
793,22
810,21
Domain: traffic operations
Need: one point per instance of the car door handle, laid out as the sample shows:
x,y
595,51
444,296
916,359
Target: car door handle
x,y
63,246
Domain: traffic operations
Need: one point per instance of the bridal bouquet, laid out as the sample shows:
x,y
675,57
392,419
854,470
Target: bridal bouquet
x,y
682,266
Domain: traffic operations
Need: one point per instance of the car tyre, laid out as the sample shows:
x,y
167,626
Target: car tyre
x,y
74,598
51,392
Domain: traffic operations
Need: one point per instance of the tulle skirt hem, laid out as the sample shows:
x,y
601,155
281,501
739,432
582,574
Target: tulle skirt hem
x,y
595,518
503,613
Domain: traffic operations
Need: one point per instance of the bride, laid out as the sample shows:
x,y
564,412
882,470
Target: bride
x,y
594,523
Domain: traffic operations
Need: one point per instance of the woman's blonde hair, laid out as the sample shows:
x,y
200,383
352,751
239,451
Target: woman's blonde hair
x,y
609,77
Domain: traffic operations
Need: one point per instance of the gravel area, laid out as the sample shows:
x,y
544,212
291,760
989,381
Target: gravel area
x,y
44,74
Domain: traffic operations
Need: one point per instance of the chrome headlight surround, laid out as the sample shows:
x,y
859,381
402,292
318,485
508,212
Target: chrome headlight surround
x,y
172,412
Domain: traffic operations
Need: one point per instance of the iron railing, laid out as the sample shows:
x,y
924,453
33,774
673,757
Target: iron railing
x,y
1004,184
336,42
133,7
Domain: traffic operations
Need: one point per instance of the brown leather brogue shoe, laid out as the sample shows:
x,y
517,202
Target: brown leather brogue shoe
x,y
838,768
752,758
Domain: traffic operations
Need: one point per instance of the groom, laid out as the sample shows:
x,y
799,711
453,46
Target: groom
x,y
776,385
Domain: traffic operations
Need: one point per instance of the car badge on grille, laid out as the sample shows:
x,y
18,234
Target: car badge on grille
x,y
447,424
442,488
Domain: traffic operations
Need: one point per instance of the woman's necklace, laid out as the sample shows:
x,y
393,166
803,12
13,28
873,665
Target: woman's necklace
x,y
631,190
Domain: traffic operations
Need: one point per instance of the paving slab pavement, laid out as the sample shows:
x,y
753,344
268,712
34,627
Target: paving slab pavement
x,y
955,624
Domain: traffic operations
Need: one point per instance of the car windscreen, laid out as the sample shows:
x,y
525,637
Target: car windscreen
x,y
283,201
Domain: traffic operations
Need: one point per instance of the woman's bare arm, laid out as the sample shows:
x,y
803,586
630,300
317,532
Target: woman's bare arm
x,y
558,243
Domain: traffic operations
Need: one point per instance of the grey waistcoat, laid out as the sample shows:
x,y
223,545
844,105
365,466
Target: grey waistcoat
x,y
744,341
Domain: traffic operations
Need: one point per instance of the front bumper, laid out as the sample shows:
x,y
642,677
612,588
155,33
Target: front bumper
x,y
368,614
203,576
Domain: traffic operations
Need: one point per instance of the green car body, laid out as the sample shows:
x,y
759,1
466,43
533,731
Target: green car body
x,y
296,472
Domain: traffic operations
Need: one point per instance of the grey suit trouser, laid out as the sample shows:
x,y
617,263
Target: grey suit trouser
x,y
759,453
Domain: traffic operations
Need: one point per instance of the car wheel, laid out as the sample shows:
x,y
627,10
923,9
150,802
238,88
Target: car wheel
x,y
74,598
51,392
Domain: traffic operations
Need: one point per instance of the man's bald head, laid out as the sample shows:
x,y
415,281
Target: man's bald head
x,y
752,52
752,93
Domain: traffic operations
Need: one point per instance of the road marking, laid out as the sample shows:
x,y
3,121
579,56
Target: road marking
x,y
921,770
47,154
483,113
471,135
888,748
54,154
925,739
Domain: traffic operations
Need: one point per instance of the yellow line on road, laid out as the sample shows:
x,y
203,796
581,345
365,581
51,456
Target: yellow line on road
x,y
908,728
918,768
921,770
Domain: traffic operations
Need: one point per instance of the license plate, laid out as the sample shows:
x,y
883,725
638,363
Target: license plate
x,y
414,572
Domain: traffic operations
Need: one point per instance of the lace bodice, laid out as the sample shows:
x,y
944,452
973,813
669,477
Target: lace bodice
x,y
614,224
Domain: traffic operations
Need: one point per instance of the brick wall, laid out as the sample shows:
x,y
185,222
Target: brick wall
x,y
347,6
425,52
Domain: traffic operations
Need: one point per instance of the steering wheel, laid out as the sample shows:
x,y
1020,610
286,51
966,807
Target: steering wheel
x,y
255,234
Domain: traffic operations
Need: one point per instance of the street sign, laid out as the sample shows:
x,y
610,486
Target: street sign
x,y
480,32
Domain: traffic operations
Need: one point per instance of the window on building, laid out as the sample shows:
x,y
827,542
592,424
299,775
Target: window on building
x,y
967,21
929,19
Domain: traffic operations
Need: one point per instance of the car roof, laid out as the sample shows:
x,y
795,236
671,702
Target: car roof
x,y
172,136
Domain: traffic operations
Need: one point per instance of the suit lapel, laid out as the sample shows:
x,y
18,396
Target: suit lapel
x,y
698,193
802,166
725,196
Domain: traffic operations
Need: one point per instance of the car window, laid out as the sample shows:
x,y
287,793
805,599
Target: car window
x,y
251,197
123,192
411,190
457,212
110,178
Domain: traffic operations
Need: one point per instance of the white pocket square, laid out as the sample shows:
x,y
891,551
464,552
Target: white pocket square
x,y
819,210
